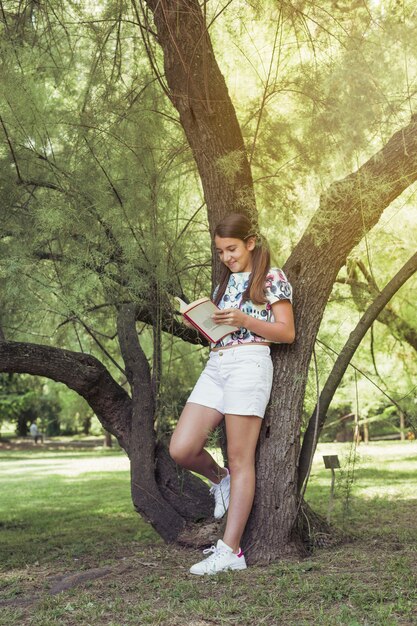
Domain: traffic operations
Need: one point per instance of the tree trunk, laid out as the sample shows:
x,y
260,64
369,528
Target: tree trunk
x,y
22,424
356,431
335,229
162,507
402,426
198,91
181,498
186,493
86,424
366,433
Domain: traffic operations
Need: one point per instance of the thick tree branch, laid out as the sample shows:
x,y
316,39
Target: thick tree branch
x,y
146,495
352,206
319,414
41,183
81,372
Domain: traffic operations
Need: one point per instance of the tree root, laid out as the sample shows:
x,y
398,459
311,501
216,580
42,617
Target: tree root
x,y
200,535
315,532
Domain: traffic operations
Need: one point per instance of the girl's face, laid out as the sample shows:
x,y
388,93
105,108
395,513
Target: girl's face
x,y
236,254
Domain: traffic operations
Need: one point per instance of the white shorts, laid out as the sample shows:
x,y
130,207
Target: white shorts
x,y
236,381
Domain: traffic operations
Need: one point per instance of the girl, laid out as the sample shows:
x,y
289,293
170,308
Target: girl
x,y
236,382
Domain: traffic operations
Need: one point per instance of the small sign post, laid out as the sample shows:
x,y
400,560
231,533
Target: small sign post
x,y
331,461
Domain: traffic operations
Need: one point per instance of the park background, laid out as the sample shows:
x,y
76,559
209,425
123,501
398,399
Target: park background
x,y
102,203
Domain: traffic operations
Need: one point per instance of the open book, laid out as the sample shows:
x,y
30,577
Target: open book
x,y
199,313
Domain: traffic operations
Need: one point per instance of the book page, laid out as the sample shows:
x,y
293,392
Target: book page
x,y
200,315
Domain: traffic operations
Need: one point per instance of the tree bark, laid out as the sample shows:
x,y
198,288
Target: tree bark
x,y
198,91
402,426
343,360
366,433
179,493
186,493
146,497
162,506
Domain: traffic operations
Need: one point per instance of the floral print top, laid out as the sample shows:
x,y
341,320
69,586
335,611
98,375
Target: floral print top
x,y
277,288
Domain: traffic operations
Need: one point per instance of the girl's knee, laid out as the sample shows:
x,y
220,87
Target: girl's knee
x,y
240,462
182,455
175,452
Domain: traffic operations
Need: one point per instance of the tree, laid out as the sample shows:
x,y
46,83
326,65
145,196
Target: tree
x,y
129,280
350,207
22,401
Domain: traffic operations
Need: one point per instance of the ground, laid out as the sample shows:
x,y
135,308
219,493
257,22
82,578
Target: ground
x,y
74,552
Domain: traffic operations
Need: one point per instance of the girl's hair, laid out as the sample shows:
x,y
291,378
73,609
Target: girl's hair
x,y
239,226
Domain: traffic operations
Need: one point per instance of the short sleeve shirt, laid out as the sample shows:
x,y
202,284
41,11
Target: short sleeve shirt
x,y
277,288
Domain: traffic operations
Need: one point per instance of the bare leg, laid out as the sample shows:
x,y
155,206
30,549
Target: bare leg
x,y
242,437
188,440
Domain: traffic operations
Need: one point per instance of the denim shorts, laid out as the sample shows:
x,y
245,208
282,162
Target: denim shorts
x,y
236,381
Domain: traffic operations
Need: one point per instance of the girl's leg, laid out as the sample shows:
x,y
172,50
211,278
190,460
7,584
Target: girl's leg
x,y
242,437
189,437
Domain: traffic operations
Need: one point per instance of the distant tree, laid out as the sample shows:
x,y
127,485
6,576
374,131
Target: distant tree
x,y
22,401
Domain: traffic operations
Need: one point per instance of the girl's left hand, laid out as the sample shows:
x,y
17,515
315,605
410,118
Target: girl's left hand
x,y
233,317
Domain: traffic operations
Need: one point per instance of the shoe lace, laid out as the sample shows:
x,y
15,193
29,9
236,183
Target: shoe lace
x,y
216,552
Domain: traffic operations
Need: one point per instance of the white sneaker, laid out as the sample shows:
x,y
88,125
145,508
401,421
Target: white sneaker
x,y
221,493
222,559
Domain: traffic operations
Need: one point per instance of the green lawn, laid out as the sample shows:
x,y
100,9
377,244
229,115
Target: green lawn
x,y
68,513
58,506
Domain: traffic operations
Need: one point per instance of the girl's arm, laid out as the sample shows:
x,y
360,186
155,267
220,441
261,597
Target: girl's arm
x,y
282,330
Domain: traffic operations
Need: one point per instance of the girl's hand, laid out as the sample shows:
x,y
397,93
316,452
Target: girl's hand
x,y
233,317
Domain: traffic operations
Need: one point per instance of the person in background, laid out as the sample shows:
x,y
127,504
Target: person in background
x,y
35,432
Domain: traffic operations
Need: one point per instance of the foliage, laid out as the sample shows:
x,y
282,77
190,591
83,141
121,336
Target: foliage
x,y
100,200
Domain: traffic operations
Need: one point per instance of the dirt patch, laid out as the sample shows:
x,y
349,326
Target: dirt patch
x,y
68,582
59,583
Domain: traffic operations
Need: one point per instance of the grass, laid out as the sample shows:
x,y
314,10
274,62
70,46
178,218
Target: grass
x,y
65,513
